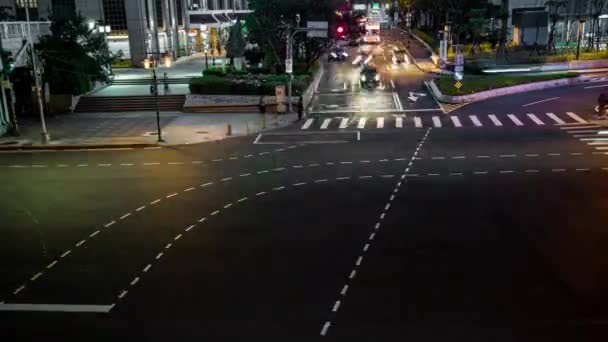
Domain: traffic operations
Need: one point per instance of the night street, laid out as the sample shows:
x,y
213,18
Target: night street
x,y
375,218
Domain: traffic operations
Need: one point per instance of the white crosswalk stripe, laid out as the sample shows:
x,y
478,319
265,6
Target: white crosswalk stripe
x,y
325,123
456,121
343,123
308,123
555,118
578,126
380,123
515,120
576,117
475,120
535,119
362,122
399,123
495,120
417,122
436,121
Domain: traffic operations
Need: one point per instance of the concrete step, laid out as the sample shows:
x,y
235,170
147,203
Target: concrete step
x,y
129,103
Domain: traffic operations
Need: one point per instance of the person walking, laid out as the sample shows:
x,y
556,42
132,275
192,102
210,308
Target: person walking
x,y
300,108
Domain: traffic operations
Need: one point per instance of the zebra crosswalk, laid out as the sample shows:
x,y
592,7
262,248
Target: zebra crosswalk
x,y
447,121
588,133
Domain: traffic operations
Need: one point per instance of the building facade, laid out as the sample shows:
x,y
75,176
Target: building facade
x,y
144,29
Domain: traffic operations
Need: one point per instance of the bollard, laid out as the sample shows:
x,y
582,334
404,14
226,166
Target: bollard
x,y
229,130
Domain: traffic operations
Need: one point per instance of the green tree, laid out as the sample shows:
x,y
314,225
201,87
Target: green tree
x,y
235,47
73,57
554,8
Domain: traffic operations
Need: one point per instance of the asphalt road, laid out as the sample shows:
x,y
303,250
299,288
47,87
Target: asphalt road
x,y
472,233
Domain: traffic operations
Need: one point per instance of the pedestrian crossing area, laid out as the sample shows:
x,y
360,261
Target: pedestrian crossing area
x,y
589,133
442,121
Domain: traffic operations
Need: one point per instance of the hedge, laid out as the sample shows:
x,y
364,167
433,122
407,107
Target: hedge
x,y
214,85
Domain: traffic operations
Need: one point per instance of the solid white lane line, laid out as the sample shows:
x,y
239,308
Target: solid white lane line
x,y
380,122
417,122
361,123
515,120
535,119
555,118
456,121
541,101
343,123
475,120
308,123
576,117
325,123
495,120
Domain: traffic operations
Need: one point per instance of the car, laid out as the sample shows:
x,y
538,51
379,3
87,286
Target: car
x,y
337,55
369,77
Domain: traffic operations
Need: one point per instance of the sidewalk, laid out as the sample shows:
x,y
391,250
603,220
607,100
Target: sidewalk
x,y
419,53
139,129
191,66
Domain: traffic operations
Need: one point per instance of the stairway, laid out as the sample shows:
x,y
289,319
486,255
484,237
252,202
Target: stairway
x,y
149,80
89,104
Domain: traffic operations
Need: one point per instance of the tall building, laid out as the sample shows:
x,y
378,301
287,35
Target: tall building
x,y
142,29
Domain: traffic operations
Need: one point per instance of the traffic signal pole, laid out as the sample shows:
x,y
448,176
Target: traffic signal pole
x,y
44,133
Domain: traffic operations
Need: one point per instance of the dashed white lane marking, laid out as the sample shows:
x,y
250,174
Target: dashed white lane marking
x,y
262,193
36,276
344,290
436,122
456,121
177,237
320,180
122,294
126,164
262,172
577,127
279,188
109,224
159,255
66,253
206,184
506,171
495,120
134,281
508,155
49,266
226,179
175,163
147,268
104,165
576,117
459,157
555,118
535,119
94,233
189,189
125,216
189,228
352,274
325,123
19,289
80,243
336,306
343,123
151,164
217,160
361,123
532,171
299,184
482,157
515,120
242,199
171,195
480,172
325,328
214,213
532,155
475,120
308,123
417,122
141,208
558,170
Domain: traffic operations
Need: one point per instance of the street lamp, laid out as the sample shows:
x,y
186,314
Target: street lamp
x,y
45,134
155,83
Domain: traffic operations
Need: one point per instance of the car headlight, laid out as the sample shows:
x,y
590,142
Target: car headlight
x,y
344,54
363,78
333,54
377,77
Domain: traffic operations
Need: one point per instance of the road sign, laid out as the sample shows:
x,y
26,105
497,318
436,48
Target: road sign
x,y
289,65
317,29
458,85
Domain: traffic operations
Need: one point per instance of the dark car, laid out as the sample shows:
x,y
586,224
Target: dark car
x,y
337,55
369,78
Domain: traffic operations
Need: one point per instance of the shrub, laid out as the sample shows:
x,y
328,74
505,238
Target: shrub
x,y
215,71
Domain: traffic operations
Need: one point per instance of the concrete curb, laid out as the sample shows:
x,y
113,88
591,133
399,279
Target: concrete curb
x,y
487,94
67,147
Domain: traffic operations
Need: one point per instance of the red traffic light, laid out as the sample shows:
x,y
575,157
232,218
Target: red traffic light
x,y
340,29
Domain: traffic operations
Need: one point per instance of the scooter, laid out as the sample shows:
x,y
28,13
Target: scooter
x,y
602,111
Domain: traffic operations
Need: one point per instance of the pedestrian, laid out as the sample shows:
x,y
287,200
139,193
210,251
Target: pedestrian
x,y
262,105
166,81
300,108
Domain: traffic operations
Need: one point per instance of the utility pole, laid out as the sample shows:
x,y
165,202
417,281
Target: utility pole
x,y
44,134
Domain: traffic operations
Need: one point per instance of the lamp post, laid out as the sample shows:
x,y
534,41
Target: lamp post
x,y
155,84
579,38
44,133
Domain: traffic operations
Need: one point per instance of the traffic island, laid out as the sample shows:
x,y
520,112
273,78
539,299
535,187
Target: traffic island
x,y
475,88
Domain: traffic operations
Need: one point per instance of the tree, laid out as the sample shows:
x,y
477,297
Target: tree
x,y
501,51
596,9
554,8
235,47
72,57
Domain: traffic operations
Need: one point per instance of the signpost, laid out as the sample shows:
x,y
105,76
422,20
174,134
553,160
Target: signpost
x,y
458,65
289,65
